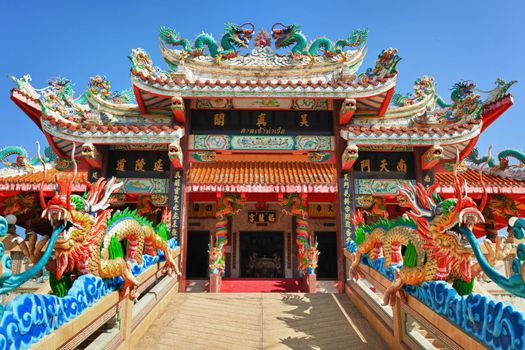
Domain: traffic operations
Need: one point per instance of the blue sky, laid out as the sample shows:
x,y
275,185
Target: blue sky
x,y
450,40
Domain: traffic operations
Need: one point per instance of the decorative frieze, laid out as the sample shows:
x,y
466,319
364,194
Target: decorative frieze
x,y
261,142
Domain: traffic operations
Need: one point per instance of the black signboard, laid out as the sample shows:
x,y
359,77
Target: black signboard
x,y
261,122
142,164
385,165
261,216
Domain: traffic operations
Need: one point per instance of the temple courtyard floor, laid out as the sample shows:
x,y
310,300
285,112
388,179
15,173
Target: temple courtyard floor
x,y
261,321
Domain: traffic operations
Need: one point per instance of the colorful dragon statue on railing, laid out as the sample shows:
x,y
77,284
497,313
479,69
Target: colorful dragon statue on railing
x,y
435,247
235,36
285,36
228,205
307,251
503,157
93,239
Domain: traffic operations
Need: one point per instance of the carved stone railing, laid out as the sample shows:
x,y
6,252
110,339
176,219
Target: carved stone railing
x,y
115,322
411,324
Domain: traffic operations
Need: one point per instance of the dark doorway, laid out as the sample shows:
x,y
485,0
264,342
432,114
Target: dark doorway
x,y
327,246
262,254
197,258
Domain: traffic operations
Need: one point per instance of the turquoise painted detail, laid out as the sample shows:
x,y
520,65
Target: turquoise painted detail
x,y
285,36
235,36
502,156
22,159
262,142
8,281
513,284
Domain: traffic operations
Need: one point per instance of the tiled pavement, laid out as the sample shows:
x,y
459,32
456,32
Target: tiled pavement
x,y
261,321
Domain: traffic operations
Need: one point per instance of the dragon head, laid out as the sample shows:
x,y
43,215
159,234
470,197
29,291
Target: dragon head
x,y
228,205
284,36
461,89
62,86
239,35
439,222
169,36
83,216
294,205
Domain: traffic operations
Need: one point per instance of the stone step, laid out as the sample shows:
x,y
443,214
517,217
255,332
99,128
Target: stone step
x,y
261,321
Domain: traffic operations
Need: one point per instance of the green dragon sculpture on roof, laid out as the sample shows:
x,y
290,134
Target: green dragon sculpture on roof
x,y
235,36
285,36
22,159
503,157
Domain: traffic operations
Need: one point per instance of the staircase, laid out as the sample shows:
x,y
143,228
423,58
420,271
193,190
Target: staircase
x,y
260,321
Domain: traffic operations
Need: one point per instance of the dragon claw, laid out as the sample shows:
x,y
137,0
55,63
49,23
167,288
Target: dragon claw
x,y
498,250
355,273
389,297
128,285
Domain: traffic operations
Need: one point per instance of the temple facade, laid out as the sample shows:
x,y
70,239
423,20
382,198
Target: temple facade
x,y
256,160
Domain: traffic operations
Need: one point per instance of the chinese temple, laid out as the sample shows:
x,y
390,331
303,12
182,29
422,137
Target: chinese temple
x,y
269,163
254,137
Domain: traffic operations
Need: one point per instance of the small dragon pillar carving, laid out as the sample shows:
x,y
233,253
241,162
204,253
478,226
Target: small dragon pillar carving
x,y
228,205
296,206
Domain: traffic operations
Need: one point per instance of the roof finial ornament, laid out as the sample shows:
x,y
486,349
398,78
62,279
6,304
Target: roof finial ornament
x,y
262,39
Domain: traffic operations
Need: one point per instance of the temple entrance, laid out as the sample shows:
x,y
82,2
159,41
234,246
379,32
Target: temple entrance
x,y
327,263
262,254
197,254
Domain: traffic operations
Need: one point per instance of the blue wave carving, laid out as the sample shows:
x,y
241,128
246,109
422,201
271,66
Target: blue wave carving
x,y
30,317
497,324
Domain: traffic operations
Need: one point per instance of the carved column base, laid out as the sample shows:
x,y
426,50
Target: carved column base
x,y
310,283
215,283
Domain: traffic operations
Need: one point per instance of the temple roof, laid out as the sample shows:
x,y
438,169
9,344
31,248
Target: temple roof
x,y
30,180
153,110
414,134
240,176
338,88
494,183
264,63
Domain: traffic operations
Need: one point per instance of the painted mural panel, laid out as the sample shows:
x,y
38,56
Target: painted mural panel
x,y
137,185
262,142
379,186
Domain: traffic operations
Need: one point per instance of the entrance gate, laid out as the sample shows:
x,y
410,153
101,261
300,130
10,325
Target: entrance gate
x,y
262,254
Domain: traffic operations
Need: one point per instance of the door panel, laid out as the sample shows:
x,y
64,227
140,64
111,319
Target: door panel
x,y
197,255
262,254
327,246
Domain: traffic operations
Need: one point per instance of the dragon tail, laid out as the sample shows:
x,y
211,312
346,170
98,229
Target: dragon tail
x,y
356,38
399,99
171,37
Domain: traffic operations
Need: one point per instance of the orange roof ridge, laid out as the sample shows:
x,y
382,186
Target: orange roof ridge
x,y
262,176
